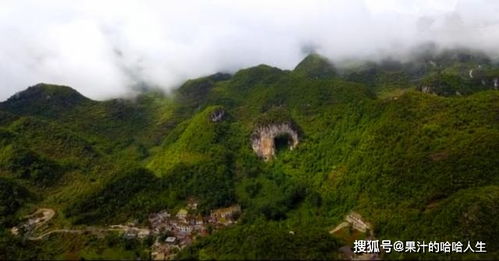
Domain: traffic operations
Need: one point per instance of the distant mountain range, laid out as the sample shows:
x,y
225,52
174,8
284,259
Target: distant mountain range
x,y
410,147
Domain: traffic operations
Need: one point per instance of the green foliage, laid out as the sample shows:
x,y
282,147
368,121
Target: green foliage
x,y
265,241
473,210
315,66
271,195
103,205
51,140
245,79
211,182
26,164
73,247
275,115
44,100
12,197
193,93
447,84
416,166
195,140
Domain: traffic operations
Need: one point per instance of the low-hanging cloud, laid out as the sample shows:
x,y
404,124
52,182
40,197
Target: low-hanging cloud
x,y
106,48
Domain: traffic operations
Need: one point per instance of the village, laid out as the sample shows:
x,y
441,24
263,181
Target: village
x,y
170,232
174,232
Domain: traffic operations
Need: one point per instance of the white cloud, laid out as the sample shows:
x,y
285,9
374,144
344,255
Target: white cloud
x,y
101,48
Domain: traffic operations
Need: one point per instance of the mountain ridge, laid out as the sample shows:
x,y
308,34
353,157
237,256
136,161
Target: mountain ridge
x,y
416,165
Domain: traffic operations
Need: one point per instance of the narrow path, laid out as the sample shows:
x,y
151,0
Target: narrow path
x,y
47,215
77,231
43,215
339,227
40,237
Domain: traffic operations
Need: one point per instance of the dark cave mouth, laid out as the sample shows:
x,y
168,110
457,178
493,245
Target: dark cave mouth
x,y
282,142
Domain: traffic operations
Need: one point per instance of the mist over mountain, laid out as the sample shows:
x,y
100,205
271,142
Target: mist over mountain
x,y
115,48
302,162
249,130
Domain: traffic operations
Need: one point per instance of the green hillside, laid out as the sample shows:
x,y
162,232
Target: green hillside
x,y
413,147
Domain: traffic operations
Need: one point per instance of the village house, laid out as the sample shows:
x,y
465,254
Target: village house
x,y
182,214
130,234
157,255
157,218
225,216
199,221
143,233
183,228
355,219
170,240
192,205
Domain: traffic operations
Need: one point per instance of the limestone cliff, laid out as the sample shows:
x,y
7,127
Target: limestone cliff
x,y
217,115
264,137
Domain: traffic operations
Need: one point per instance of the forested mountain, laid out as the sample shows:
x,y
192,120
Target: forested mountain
x,y
412,147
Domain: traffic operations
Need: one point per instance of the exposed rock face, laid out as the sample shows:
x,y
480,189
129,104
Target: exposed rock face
x,y
217,115
427,89
264,137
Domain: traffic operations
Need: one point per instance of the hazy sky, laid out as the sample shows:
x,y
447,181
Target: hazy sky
x,y
103,47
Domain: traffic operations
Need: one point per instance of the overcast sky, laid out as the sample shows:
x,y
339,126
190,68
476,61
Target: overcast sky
x,y
103,47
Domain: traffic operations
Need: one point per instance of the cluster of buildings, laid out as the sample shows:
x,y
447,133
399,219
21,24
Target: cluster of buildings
x,y
170,232
355,219
174,232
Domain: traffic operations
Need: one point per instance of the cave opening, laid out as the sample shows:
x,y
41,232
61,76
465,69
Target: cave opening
x,y
282,142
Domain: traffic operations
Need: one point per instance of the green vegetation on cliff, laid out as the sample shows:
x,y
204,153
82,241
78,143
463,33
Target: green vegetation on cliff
x,y
417,166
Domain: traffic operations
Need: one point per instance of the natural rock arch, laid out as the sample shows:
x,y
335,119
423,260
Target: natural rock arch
x,y
265,138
